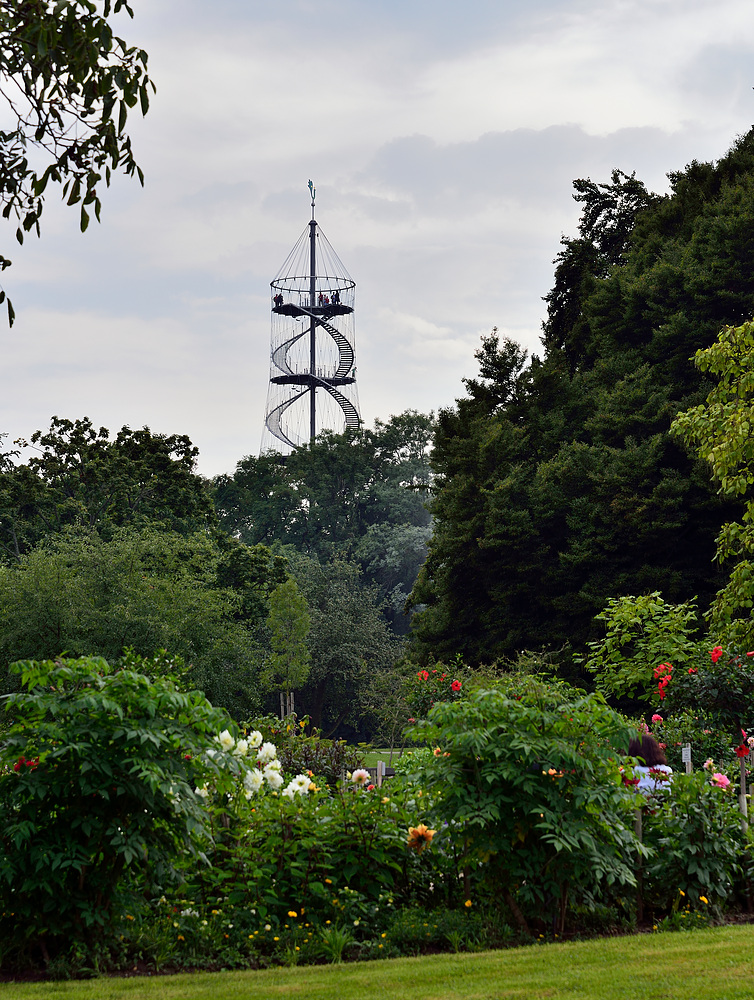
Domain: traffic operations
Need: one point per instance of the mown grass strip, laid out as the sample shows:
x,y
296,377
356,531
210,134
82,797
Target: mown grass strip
x,y
715,964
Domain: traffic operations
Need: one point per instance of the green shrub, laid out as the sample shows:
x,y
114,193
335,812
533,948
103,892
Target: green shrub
x,y
437,683
694,831
640,633
531,789
97,776
339,856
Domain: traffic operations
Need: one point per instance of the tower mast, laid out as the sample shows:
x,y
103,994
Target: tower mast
x,y
312,322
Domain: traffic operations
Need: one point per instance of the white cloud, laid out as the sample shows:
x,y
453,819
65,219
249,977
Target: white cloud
x,y
443,140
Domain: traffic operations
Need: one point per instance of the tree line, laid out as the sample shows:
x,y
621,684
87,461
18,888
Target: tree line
x,y
554,485
559,484
114,543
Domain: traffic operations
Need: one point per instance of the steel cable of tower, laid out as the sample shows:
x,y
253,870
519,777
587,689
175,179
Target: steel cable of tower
x,y
311,294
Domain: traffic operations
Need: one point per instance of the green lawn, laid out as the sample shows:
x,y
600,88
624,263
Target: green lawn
x,y
716,964
371,758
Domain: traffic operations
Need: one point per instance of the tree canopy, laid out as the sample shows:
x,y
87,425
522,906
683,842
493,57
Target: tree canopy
x,y
349,639
720,429
68,84
360,495
80,476
558,482
148,589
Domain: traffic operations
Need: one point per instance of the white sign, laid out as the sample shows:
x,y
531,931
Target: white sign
x,y
686,754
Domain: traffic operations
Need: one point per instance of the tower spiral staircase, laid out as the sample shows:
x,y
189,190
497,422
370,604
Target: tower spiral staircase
x,y
312,351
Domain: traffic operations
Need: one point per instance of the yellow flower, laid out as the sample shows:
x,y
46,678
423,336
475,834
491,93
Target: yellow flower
x,y
419,837
276,939
328,881
682,892
704,900
181,937
292,913
468,903
437,751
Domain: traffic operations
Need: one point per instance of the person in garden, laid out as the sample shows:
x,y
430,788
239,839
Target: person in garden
x,y
654,773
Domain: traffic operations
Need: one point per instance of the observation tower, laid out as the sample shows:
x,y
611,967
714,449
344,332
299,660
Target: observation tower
x,y
312,346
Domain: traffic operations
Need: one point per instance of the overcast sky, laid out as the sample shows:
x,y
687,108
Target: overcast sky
x,y
443,139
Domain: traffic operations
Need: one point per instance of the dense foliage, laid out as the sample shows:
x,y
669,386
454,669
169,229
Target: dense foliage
x,y
720,429
530,782
79,477
359,496
349,641
149,589
97,776
558,483
68,84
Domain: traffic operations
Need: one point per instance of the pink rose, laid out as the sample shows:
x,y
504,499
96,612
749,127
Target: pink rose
x,y
657,718
720,780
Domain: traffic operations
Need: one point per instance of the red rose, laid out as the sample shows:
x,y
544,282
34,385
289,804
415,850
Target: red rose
x,y
716,653
455,686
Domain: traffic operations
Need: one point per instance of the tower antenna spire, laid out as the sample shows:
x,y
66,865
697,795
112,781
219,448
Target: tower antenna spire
x,y
313,193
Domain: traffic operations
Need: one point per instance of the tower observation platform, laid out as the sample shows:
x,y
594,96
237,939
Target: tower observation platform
x,y
312,345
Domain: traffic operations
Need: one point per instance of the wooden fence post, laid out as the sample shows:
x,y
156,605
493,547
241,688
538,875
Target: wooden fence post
x,y
742,796
639,874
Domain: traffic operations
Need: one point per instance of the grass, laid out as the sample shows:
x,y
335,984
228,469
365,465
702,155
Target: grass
x,y
371,758
714,964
